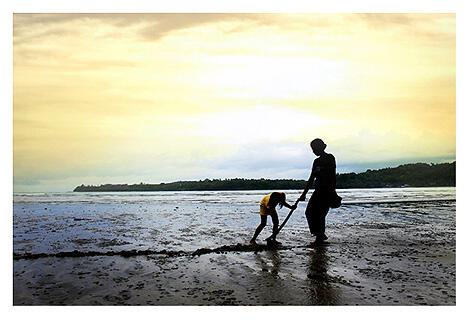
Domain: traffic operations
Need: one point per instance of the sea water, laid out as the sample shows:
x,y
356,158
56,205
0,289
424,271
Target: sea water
x,y
116,221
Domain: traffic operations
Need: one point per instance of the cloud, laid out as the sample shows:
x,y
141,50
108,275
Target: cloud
x,y
385,20
437,29
151,27
163,24
268,160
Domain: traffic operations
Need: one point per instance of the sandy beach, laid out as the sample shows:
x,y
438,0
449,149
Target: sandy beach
x,y
362,264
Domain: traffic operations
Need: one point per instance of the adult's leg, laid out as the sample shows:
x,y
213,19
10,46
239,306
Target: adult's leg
x,y
260,227
316,212
321,214
310,214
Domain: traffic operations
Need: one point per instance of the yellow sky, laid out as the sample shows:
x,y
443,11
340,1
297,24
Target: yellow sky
x,y
124,98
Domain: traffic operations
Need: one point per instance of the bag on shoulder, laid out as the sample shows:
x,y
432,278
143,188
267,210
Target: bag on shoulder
x,y
335,200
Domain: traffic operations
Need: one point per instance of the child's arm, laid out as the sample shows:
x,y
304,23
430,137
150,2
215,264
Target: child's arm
x,y
285,204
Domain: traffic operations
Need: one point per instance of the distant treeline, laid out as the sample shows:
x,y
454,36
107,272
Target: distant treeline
x,y
408,175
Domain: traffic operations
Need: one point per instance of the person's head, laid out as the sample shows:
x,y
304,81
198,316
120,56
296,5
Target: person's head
x,y
318,146
277,198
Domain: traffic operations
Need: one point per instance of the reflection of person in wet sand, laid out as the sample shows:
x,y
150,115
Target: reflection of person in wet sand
x,y
321,291
275,262
324,175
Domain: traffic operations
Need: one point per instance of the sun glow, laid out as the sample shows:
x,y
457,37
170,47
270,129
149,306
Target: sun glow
x,y
265,77
256,124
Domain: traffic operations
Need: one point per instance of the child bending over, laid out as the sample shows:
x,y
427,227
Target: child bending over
x,y
267,207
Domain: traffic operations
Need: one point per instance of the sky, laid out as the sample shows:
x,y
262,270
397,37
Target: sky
x,y
130,98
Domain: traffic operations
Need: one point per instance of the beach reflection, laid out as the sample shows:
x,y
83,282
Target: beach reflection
x,y
320,290
272,262
271,289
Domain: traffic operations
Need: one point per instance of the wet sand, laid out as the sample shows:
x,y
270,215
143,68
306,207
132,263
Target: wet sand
x,y
181,249
379,265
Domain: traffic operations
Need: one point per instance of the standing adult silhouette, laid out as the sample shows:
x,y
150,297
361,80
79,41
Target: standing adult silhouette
x,y
324,175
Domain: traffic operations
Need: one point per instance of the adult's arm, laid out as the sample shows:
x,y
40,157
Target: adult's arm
x,y
308,186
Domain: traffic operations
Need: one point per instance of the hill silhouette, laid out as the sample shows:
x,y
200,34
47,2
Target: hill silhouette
x,y
408,175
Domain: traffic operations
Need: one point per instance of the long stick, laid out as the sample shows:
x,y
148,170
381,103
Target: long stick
x,y
283,223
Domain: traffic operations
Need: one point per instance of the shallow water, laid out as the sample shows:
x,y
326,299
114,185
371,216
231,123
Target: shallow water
x,y
62,222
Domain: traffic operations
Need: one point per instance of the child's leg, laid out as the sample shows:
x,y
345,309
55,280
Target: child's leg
x,y
275,220
260,227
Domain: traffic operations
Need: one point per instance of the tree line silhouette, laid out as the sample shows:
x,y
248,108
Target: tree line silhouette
x,y
408,175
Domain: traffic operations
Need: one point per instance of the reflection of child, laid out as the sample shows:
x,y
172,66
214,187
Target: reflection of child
x,y
267,208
